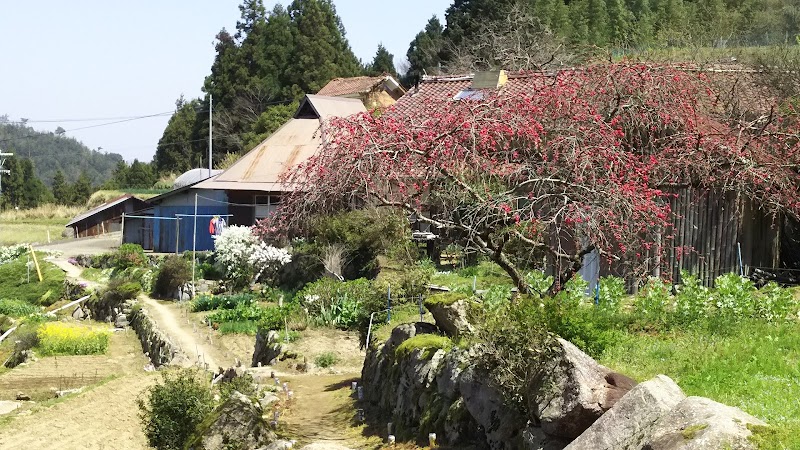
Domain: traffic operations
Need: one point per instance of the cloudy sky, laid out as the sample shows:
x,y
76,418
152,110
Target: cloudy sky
x,y
64,63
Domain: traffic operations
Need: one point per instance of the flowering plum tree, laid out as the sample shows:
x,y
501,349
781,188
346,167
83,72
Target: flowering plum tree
x,y
245,257
584,160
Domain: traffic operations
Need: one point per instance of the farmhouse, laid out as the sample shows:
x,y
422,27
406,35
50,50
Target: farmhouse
x,y
246,192
714,232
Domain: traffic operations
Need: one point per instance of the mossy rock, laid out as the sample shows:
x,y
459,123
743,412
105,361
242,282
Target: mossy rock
x,y
444,299
428,343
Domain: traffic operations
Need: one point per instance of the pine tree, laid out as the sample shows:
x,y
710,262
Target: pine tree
x,y
177,148
140,176
61,190
425,52
82,190
321,51
383,63
33,192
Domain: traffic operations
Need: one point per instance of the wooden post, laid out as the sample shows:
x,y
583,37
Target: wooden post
x,y
36,263
122,229
177,234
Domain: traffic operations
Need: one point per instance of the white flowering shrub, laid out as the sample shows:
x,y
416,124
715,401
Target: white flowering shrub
x,y
244,257
12,252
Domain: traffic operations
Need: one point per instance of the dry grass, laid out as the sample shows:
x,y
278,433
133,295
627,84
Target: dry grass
x,y
32,225
100,197
48,212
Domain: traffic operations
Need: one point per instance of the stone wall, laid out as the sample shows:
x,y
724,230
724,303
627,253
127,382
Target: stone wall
x,y
155,344
569,397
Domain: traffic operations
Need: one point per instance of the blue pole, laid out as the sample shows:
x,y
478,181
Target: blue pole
x,y
389,303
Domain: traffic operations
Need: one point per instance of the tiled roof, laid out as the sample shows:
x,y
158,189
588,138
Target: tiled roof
x,y
348,86
739,88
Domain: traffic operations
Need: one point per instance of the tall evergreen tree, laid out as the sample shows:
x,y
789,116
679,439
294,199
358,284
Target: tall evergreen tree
x,y
598,23
61,190
382,63
178,145
620,23
82,190
140,176
425,52
321,51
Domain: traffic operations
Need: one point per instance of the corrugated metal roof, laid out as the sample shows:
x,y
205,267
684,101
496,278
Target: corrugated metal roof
x,y
96,210
193,176
296,141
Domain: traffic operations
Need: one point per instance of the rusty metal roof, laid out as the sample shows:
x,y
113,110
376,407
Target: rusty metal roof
x,y
354,86
294,142
103,207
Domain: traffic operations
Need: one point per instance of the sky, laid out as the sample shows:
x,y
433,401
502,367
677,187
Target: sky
x,y
63,62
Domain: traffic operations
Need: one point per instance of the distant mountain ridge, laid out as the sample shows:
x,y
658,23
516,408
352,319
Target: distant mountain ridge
x,y
51,152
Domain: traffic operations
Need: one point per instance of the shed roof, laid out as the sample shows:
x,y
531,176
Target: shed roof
x,y
342,87
296,141
103,207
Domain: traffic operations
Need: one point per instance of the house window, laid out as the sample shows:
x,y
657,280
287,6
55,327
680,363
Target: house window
x,y
266,205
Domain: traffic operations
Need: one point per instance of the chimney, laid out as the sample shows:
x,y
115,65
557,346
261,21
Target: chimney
x,y
489,80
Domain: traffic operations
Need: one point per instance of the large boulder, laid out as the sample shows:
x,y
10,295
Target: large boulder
x,y
267,349
632,418
450,313
502,423
656,415
569,391
237,422
699,423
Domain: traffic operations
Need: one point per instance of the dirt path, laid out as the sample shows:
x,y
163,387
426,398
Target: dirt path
x,y
192,341
102,418
322,411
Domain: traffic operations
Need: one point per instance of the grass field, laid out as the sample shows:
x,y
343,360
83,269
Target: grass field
x,y
33,225
755,368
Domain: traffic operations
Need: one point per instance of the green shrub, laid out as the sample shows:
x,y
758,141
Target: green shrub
x,y
611,292
692,302
365,234
775,304
325,360
249,327
14,276
340,304
171,410
17,308
25,339
118,291
58,338
651,305
734,297
129,255
244,384
206,302
172,273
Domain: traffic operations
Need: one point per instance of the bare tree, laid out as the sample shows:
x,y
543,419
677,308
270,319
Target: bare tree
x,y
519,43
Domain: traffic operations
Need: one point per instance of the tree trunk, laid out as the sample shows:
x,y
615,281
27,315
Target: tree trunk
x,y
573,268
518,278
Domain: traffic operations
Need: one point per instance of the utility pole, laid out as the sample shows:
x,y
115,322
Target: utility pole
x,y
2,170
210,131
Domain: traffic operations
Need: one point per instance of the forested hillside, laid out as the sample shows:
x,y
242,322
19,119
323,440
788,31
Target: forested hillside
x,y
51,153
476,33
